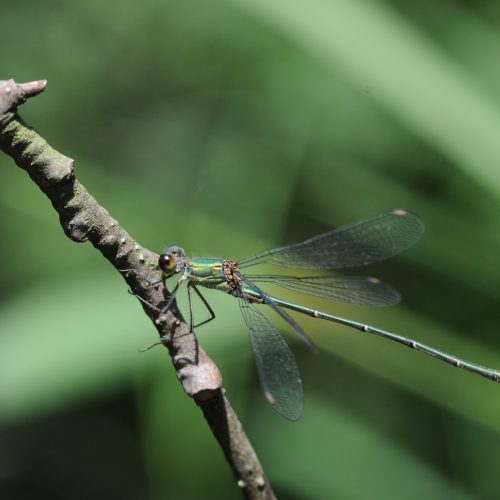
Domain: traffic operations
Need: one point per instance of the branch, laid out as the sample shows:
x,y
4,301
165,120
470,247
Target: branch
x,y
82,219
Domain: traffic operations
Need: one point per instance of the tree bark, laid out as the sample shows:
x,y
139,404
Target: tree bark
x,y
82,219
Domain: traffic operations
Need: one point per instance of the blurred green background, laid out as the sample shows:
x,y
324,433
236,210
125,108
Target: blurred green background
x,y
228,127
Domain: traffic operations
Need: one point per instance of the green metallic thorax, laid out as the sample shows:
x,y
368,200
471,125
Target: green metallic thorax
x,y
207,273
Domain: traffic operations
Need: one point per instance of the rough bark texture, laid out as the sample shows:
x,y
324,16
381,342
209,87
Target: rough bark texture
x,y
82,219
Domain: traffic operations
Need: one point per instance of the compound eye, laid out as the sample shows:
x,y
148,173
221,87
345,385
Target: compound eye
x,y
166,262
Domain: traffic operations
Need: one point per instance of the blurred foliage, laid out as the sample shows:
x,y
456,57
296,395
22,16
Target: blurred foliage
x,y
228,127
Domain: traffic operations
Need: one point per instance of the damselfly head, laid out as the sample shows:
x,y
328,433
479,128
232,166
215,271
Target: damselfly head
x,y
172,260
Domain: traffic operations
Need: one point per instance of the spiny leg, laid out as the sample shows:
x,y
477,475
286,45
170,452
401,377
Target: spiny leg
x,y
144,301
174,293
165,309
171,299
148,285
190,302
141,275
207,305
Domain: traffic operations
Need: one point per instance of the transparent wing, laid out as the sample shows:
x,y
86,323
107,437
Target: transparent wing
x,y
278,372
268,300
359,244
358,290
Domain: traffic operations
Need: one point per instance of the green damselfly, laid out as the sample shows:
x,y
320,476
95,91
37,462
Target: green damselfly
x,y
365,242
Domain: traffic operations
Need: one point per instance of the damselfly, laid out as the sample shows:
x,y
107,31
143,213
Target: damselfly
x,y
362,243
